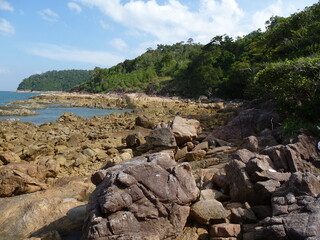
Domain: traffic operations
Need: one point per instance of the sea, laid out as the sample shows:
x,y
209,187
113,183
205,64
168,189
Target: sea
x,y
49,114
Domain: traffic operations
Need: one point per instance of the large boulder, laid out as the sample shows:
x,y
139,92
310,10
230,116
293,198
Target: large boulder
x,y
295,210
185,130
145,122
241,188
146,198
60,209
20,178
250,121
161,137
302,155
204,211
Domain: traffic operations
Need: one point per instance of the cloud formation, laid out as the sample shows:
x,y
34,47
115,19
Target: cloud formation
x,y
173,21
71,54
74,7
4,5
6,28
49,15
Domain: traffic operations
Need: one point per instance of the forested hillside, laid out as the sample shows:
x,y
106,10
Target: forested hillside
x,y
149,72
54,80
282,63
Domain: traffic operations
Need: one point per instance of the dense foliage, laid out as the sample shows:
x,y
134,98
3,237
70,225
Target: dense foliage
x,y
295,84
54,80
148,72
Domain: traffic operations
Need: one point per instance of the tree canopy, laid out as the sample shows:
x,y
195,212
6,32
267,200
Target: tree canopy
x,y
54,80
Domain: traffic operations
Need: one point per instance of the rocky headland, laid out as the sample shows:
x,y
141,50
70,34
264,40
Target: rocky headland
x,y
170,169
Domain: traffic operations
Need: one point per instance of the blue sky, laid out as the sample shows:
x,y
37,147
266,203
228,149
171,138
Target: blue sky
x,y
41,35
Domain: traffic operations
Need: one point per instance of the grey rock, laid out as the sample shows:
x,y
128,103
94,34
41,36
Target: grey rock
x,y
147,197
161,137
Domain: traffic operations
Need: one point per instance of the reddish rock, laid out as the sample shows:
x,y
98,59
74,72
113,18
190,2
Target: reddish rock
x,y
243,155
148,198
241,188
250,143
185,130
225,230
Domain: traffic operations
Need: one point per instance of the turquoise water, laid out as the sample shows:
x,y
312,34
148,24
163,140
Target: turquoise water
x,y
49,114
6,97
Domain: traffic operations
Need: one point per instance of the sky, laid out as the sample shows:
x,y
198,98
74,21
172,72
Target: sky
x,y
43,35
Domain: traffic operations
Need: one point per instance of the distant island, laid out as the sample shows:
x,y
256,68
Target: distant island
x,y
54,80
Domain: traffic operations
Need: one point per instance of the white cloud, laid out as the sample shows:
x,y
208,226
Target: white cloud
x,y
71,54
6,28
260,17
4,5
105,25
49,15
173,21
74,7
118,43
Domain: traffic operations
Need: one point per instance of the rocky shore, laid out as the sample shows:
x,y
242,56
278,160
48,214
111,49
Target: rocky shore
x,y
171,169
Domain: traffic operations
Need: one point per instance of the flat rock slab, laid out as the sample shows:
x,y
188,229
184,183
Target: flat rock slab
x,y
60,209
146,198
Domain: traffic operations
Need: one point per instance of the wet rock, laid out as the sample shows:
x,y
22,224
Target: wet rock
x,y
128,201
